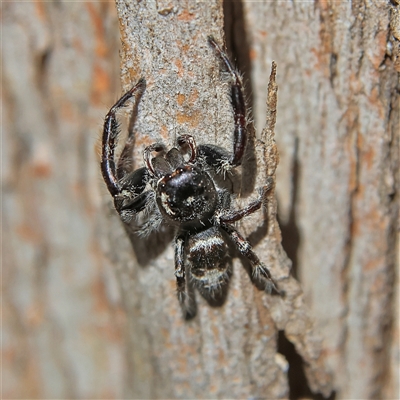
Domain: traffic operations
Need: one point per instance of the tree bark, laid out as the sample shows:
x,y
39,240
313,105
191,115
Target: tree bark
x,y
338,136
72,330
62,322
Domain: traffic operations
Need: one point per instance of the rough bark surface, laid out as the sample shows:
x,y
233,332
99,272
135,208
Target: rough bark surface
x,y
62,331
229,351
71,330
338,135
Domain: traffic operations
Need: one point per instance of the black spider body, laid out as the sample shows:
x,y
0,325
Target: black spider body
x,y
187,197
184,193
207,256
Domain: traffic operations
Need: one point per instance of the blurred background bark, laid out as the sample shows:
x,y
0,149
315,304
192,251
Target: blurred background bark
x,y
84,314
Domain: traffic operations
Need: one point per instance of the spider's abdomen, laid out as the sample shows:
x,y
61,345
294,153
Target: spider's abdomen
x,y
208,260
187,196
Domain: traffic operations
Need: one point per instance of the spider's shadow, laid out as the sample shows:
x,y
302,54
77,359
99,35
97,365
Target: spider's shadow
x,y
148,247
152,246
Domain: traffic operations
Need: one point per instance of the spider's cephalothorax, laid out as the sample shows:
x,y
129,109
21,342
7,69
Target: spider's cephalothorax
x,y
184,193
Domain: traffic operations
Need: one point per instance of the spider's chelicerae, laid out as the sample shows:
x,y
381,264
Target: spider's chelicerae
x,y
185,194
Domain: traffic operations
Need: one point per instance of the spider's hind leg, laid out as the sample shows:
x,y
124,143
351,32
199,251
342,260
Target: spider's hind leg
x,y
186,301
260,274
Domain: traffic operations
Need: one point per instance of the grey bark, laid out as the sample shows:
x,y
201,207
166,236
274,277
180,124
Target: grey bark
x,y
62,322
72,330
338,135
233,348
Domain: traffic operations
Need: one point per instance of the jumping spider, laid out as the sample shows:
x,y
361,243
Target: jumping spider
x,y
186,195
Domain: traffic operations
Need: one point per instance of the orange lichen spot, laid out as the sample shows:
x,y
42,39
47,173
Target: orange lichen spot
x,y
164,132
235,293
40,10
373,264
101,84
194,96
165,332
142,140
367,220
180,98
96,17
323,5
374,97
97,20
99,295
253,54
186,16
77,189
213,388
321,59
376,102
110,331
9,355
34,315
263,34
41,170
215,331
192,120
67,112
133,76
183,47
374,219
191,331
308,72
368,157
29,379
78,45
178,63
221,357
28,233
106,393
379,49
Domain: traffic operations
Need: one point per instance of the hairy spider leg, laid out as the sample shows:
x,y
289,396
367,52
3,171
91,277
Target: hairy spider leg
x,y
238,105
260,273
124,164
125,187
233,216
109,139
180,274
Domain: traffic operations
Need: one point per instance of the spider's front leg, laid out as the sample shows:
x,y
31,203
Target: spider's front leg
x,y
187,304
214,155
127,190
109,140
